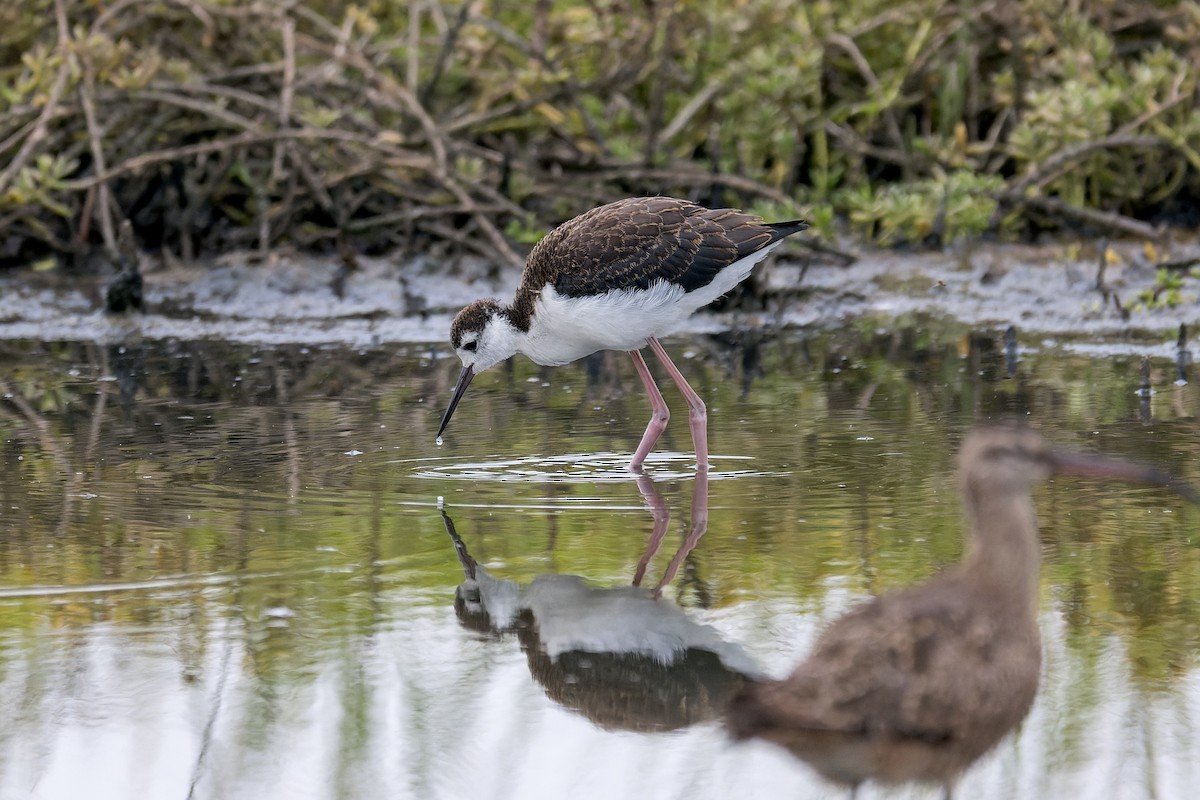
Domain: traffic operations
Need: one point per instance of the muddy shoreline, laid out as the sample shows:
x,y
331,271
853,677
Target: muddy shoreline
x,y
1048,291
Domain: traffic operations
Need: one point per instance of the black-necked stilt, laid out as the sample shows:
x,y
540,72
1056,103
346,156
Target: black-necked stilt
x,y
917,684
617,278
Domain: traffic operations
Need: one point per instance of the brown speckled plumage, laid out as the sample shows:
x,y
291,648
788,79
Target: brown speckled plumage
x,y
633,242
917,684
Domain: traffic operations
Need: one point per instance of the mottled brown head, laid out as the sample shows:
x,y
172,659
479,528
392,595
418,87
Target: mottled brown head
x,y
471,321
1005,456
483,335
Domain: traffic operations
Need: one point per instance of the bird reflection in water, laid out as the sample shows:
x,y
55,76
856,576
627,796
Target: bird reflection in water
x,y
625,657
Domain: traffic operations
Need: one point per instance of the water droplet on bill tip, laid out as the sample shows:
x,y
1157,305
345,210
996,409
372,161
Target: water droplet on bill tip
x,y
439,441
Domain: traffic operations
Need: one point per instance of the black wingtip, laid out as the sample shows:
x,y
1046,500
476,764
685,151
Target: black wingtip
x,y
781,230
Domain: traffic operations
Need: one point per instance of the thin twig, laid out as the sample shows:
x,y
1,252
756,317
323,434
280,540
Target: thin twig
x,y
414,213
103,197
286,92
685,114
391,90
850,47
852,141
398,158
489,228
1107,220
1045,171
210,110
692,176
413,71
448,44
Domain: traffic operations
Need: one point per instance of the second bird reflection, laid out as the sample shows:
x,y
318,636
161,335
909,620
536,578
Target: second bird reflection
x,y
624,657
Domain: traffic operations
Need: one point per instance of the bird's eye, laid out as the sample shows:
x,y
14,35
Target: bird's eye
x,y
471,347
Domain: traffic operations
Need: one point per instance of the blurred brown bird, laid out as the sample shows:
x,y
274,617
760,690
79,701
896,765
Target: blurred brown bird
x,y
916,684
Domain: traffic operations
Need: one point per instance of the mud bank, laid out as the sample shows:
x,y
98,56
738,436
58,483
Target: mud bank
x,y
1049,292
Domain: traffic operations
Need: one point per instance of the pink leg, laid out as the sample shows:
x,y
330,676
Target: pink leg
x,y
699,526
659,417
662,517
697,414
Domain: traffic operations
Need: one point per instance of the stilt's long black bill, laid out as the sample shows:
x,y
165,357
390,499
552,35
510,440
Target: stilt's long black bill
x,y
1090,466
460,388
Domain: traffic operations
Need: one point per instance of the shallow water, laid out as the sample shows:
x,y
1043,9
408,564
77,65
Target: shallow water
x,y
224,572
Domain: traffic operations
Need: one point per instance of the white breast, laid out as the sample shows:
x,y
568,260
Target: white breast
x,y
565,329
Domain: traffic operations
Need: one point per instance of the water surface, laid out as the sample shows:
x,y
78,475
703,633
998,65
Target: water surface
x,y
224,572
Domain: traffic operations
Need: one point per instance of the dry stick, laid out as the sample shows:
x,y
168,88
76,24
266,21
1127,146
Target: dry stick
x,y
262,208
456,235
659,87
840,255
448,43
309,175
1045,171
1092,216
205,88
390,89
399,158
212,111
60,84
20,134
1181,264
413,72
693,177
503,248
864,68
291,441
85,216
195,9
852,141
103,198
497,197
102,390
988,146
286,92
1175,99
109,13
689,110
392,218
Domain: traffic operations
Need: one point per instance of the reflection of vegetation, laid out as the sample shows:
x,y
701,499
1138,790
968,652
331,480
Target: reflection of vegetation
x,y
854,431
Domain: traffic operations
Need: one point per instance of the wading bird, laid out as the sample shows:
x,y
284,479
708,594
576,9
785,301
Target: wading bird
x,y
918,683
617,278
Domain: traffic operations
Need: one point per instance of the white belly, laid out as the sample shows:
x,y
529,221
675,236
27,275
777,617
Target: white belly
x,y
565,329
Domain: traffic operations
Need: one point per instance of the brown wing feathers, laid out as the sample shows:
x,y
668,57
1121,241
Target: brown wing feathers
x,y
635,242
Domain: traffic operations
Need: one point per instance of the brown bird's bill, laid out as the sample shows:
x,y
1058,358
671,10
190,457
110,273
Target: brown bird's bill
x,y
1085,465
